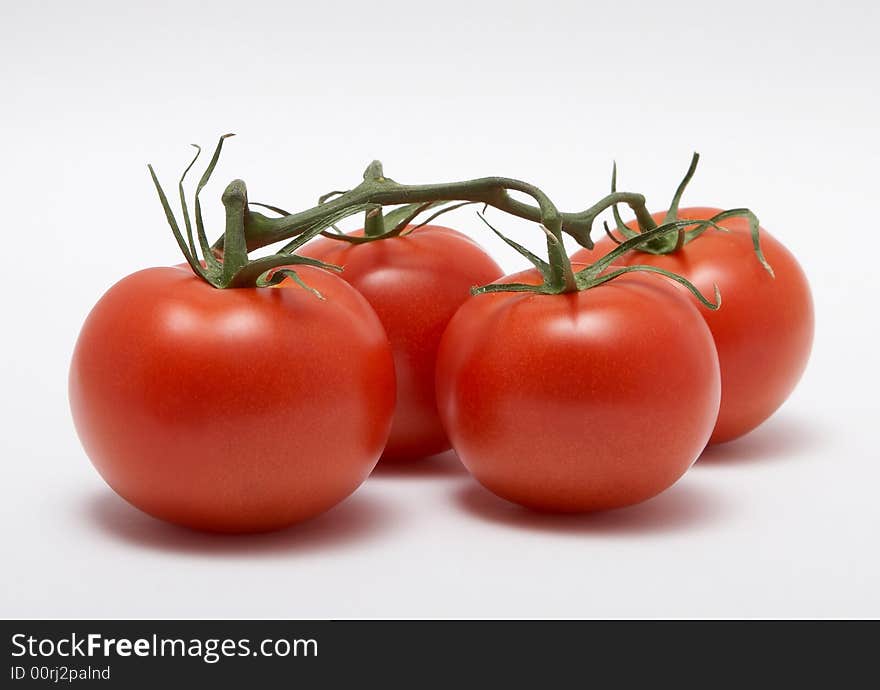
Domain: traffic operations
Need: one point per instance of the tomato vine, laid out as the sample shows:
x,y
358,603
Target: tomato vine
x,y
226,264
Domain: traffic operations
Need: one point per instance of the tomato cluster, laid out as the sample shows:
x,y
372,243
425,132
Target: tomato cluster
x,y
223,405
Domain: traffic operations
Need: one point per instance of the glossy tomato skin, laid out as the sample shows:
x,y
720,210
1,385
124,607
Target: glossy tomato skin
x,y
415,283
579,402
234,410
764,328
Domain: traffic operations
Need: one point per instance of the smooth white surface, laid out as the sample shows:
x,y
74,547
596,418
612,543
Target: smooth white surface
x,y
781,100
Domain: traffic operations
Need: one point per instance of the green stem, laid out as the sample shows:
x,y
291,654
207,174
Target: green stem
x,y
561,274
235,254
491,191
374,222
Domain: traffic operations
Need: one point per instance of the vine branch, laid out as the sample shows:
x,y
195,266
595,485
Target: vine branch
x,y
376,188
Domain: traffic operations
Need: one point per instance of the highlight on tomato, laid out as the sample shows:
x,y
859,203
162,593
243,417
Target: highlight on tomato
x,y
415,277
575,391
233,395
764,330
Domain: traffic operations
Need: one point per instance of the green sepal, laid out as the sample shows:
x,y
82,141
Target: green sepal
x,y
670,243
250,275
276,209
210,260
646,268
638,243
175,229
609,233
754,230
320,227
447,207
513,287
622,227
400,218
278,276
672,212
397,219
183,204
543,266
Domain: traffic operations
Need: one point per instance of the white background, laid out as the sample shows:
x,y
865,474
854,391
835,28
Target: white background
x,y
780,98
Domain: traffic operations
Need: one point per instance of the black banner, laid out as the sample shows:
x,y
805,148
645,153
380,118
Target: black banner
x,y
135,654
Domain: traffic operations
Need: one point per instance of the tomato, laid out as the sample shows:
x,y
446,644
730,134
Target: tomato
x,y
764,328
415,282
580,401
232,410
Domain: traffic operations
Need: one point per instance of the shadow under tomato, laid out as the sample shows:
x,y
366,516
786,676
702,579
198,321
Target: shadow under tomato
x,y
355,520
682,507
442,465
779,438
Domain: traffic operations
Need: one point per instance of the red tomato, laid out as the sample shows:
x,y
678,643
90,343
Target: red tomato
x,y
764,328
582,401
232,410
415,283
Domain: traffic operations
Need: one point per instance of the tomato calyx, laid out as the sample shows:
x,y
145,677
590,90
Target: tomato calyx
x,y
671,242
597,273
231,268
